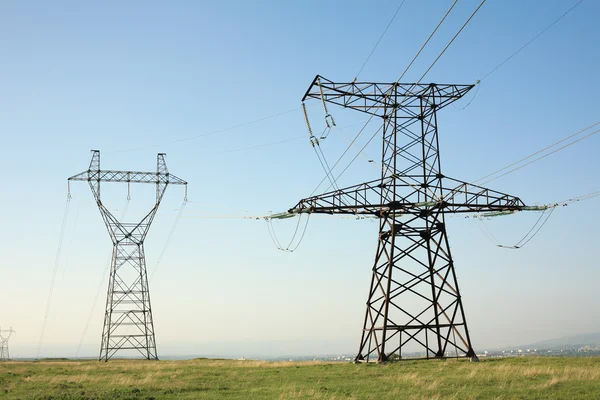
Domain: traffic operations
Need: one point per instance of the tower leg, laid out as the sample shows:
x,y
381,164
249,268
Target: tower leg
x,y
128,323
414,307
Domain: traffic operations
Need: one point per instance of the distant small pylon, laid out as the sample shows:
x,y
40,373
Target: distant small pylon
x,y
4,336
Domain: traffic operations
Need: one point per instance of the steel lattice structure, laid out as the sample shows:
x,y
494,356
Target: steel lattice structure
x,y
414,303
5,334
128,323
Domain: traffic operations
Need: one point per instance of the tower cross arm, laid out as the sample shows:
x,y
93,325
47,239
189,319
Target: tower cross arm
x,y
383,98
128,176
358,199
370,198
463,197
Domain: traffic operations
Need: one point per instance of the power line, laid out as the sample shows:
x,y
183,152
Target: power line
x,y
579,198
538,152
452,40
273,237
526,240
164,249
66,263
379,40
276,241
539,224
344,153
314,142
251,147
97,296
241,125
224,216
54,271
562,203
325,165
535,229
422,76
514,54
487,233
369,159
427,41
350,145
259,217
532,40
357,154
372,116
477,83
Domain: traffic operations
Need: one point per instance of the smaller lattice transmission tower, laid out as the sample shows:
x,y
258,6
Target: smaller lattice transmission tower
x,y
128,323
5,334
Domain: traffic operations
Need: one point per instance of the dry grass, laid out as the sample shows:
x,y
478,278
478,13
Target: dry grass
x,y
192,379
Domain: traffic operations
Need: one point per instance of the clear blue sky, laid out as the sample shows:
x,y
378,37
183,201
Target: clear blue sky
x,y
133,78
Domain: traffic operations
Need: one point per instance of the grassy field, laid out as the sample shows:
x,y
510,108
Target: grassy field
x,y
521,378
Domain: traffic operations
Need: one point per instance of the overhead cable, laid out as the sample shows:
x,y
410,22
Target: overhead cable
x,y
535,229
164,249
452,40
55,269
314,142
540,157
379,40
580,198
531,41
425,73
229,128
107,264
66,262
515,53
345,138
251,147
356,156
290,248
539,224
386,94
427,41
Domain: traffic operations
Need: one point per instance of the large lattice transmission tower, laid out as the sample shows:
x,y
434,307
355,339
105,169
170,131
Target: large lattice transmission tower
x,y
414,304
128,323
5,334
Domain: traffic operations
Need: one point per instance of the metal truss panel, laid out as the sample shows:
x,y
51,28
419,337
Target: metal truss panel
x,y
128,320
385,98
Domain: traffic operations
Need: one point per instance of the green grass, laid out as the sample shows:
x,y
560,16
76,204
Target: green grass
x,y
514,378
